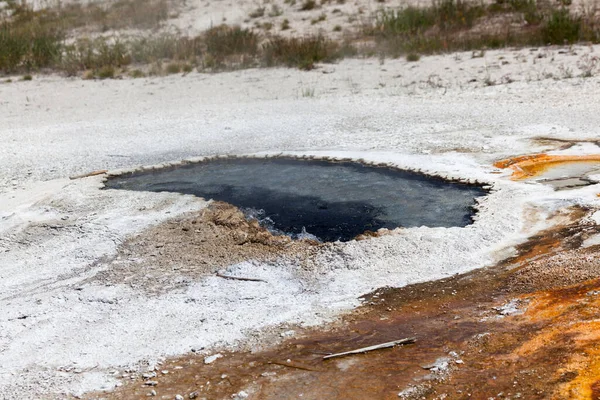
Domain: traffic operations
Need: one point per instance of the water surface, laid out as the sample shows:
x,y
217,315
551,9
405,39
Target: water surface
x,y
330,200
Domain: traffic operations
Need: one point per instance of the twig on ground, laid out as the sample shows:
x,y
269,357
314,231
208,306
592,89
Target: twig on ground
x,y
295,365
374,347
93,173
239,278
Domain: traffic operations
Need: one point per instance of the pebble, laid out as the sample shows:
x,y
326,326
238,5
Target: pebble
x,y
213,358
287,333
150,383
178,397
193,395
152,393
240,395
149,375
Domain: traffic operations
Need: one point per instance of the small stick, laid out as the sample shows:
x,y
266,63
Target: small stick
x,y
374,347
93,173
240,278
295,365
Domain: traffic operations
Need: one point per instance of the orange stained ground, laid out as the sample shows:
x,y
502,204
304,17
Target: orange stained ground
x,y
532,165
570,316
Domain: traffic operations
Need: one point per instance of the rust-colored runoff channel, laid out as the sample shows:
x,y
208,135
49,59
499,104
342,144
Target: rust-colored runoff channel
x,y
490,333
529,166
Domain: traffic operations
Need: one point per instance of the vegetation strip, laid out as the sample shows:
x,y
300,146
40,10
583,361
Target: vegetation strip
x,y
38,41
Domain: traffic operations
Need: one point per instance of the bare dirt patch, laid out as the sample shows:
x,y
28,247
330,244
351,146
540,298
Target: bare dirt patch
x,y
195,245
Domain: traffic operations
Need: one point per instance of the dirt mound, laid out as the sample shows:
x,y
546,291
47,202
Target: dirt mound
x,y
197,244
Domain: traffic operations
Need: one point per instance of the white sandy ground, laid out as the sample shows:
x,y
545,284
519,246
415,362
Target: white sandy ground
x,y
59,335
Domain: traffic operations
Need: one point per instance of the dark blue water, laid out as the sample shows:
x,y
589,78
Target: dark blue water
x,y
332,201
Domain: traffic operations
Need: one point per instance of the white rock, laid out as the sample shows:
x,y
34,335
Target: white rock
x,y
210,359
240,395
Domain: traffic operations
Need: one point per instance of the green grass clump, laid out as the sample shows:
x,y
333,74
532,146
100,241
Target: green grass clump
x,y
561,28
445,15
446,26
308,5
412,57
137,73
30,46
173,68
226,40
106,72
302,53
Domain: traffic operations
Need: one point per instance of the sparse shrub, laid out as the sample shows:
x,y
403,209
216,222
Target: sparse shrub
x,y
27,77
225,40
321,18
275,11
27,45
588,65
308,5
302,53
137,73
561,27
166,46
173,68
410,20
566,72
308,92
445,15
528,8
412,57
259,12
106,72
451,14
488,81
156,69
34,40
187,68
